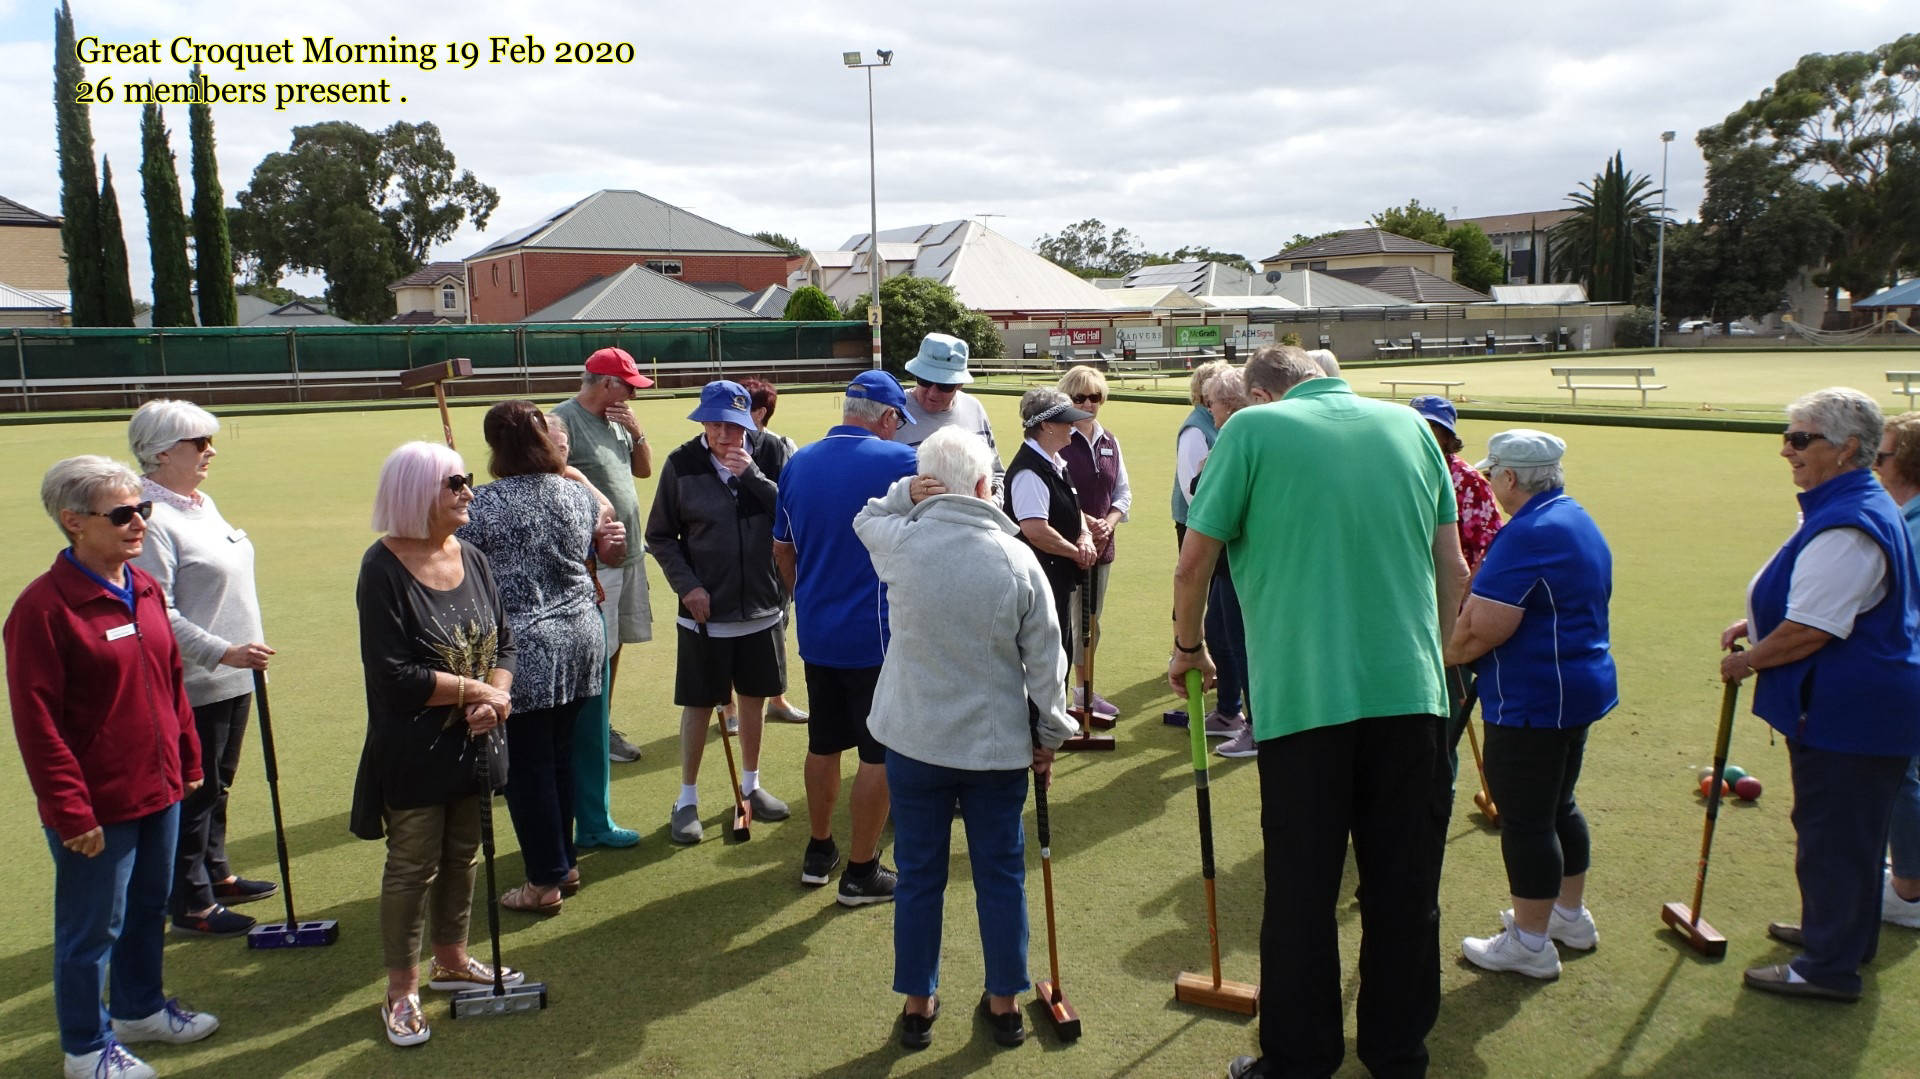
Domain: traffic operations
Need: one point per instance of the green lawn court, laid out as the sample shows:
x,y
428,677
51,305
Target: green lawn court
x,y
714,961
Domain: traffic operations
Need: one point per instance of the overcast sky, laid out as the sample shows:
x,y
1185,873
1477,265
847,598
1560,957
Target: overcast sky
x,y
1230,125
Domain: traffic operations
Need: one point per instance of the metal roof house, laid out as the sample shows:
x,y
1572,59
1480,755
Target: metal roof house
x,y
638,294
989,272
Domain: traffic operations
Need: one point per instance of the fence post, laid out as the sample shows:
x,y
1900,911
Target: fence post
x,y
519,334
293,363
20,357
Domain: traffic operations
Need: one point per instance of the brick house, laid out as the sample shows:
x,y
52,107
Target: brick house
x,y
602,235
434,294
32,255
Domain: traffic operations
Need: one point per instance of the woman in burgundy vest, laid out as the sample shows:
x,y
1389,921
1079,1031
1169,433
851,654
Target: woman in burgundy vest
x,y
1099,476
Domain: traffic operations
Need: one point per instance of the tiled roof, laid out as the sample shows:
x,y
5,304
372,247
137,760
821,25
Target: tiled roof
x,y
637,294
1507,224
1359,242
12,213
1411,285
432,274
629,221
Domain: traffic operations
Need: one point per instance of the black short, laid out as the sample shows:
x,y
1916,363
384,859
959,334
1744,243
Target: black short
x,y
840,698
710,669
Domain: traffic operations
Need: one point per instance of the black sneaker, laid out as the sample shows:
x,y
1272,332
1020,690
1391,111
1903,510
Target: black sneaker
x,y
1007,1029
916,1031
822,856
218,922
241,890
875,887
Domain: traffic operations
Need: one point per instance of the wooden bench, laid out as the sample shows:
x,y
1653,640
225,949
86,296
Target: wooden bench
x,y
1639,385
1906,379
1443,386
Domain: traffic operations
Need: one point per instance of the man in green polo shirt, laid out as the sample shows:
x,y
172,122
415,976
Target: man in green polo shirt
x,y
1338,515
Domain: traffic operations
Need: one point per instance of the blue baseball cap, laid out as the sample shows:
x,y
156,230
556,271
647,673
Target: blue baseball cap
x,y
1437,409
724,401
881,387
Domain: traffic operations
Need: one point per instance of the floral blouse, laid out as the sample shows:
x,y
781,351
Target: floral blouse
x,y
1479,516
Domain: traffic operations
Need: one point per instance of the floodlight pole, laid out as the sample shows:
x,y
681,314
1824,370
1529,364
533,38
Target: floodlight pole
x,y
874,267
1660,260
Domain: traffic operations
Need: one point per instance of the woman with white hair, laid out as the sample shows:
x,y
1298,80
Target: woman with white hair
x,y
437,656
1834,620
955,721
101,716
204,567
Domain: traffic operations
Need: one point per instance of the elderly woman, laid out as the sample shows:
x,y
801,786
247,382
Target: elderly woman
x,y
1535,627
204,567
1898,466
956,721
437,655
1099,475
535,527
764,399
1834,618
1191,445
101,715
1225,395
1041,500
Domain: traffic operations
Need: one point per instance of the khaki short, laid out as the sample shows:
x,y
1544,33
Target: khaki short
x,y
627,614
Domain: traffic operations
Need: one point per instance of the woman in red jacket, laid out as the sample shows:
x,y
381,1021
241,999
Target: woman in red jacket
x,y
101,715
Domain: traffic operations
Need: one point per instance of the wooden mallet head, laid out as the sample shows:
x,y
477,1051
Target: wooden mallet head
x,y
438,375
1697,934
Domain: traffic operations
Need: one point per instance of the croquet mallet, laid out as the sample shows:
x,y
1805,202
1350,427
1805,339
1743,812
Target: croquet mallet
x,y
1684,919
1049,995
740,829
292,933
1086,739
1189,988
499,998
1482,799
438,375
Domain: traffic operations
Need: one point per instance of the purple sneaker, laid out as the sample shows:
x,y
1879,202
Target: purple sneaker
x,y
1219,726
1240,745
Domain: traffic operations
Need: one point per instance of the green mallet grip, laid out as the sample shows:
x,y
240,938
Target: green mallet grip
x,y
1197,722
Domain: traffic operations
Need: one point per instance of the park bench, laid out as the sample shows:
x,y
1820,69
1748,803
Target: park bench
x,y
1520,342
1906,379
1390,346
1444,387
1639,375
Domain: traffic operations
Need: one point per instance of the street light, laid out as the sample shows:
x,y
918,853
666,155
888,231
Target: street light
x,y
853,59
1660,260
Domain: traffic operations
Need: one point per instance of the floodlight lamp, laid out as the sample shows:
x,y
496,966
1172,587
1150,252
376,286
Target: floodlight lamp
x,y
886,57
1666,136
851,59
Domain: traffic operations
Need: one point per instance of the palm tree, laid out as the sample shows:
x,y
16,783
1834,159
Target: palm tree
x,y
1610,235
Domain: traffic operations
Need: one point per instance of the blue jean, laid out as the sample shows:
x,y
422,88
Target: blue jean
x,y
540,789
991,807
1227,643
109,927
1904,836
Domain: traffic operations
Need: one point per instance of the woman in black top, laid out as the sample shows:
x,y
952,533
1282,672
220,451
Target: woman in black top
x,y
537,528
438,659
1042,502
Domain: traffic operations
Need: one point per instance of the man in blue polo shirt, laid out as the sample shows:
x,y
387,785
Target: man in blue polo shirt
x,y
842,621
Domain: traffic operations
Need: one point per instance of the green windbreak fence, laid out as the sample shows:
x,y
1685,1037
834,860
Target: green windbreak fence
x,y
58,354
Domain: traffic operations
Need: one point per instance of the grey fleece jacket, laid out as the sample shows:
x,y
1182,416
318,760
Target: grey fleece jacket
x,y
974,635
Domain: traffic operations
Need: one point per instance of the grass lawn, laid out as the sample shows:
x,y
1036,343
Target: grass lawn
x,y
715,961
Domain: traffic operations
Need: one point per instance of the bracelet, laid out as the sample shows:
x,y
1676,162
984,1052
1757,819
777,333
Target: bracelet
x,y
1183,648
459,692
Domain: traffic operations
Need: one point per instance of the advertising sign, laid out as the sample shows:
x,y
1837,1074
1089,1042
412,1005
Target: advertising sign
x,y
1073,337
1137,337
1196,336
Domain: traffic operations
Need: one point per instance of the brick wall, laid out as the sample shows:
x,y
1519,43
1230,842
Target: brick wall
x,y
544,277
31,257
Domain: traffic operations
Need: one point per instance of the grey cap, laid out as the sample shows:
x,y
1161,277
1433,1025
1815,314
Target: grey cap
x,y
1522,448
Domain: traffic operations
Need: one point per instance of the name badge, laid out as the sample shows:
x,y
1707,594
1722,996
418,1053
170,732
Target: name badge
x,y
118,632
1106,451
237,535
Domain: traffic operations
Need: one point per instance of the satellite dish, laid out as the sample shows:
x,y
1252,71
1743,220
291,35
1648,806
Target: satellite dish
x,y
1273,276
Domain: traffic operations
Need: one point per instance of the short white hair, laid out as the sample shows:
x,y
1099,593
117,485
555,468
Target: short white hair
x,y
1840,412
1534,479
865,409
1329,363
162,423
78,482
958,459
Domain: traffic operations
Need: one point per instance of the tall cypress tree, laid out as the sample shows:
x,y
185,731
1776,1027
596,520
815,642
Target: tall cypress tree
x,y
79,190
166,223
116,287
212,248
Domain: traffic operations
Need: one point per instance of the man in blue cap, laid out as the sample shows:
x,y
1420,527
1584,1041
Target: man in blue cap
x,y
937,400
842,621
712,531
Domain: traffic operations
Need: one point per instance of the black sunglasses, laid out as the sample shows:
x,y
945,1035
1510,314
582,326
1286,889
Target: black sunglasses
x,y
458,483
1088,398
200,443
940,386
1800,440
122,516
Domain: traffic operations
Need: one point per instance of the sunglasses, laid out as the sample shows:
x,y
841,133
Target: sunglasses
x,y
122,516
457,483
1088,398
1882,458
200,443
1800,440
941,387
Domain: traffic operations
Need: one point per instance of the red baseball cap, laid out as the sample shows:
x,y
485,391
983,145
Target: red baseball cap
x,y
618,363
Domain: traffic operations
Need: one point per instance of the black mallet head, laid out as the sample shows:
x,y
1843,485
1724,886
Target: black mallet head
x,y
316,934
488,1001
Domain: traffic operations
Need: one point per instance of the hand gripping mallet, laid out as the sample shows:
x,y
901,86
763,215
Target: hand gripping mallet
x,y
1189,988
1482,798
1086,739
291,933
438,375
1685,920
741,827
499,998
1048,994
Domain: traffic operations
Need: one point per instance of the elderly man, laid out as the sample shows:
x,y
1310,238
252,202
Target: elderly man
x,y
1898,466
711,529
842,621
937,400
608,447
1344,658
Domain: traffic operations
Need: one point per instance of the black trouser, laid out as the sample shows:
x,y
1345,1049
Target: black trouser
x,y
1842,808
201,854
1370,779
540,789
1531,772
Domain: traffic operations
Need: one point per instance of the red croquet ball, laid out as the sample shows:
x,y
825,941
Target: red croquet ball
x,y
1747,789
1706,787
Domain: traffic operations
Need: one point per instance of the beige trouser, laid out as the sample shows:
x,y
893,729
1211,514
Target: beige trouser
x,y
430,861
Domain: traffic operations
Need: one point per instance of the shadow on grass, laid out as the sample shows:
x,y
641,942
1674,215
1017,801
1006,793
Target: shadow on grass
x,y
303,839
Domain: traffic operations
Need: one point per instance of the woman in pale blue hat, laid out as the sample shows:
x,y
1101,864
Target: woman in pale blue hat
x,y
937,400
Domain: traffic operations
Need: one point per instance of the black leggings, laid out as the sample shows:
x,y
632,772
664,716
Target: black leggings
x,y
1531,772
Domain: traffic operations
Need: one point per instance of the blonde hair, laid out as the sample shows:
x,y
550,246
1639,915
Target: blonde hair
x,y
1083,379
1203,374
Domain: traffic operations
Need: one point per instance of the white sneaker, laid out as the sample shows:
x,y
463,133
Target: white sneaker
x,y
1580,933
113,1062
1504,951
1897,911
172,1024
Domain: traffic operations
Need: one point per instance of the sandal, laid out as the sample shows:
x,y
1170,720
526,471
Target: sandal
x,y
405,1023
526,899
571,885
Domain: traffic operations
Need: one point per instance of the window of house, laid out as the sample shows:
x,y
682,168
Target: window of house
x,y
1321,265
448,301
513,283
495,271
669,267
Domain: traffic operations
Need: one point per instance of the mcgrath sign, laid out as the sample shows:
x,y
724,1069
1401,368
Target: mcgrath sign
x,y
1193,336
1073,337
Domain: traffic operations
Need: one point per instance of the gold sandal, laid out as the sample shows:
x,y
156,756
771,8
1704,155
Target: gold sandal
x,y
526,899
405,1023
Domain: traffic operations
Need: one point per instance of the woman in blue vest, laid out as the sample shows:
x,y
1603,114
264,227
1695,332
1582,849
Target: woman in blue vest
x,y
1043,504
1834,620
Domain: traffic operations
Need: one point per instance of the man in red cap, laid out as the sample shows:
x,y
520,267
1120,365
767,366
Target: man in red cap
x,y
610,449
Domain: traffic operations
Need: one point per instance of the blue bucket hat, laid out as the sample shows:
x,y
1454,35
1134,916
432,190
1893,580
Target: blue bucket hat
x,y
942,359
881,387
723,401
1437,409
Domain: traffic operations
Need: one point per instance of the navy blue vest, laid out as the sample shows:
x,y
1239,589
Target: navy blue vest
x,y
1856,695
